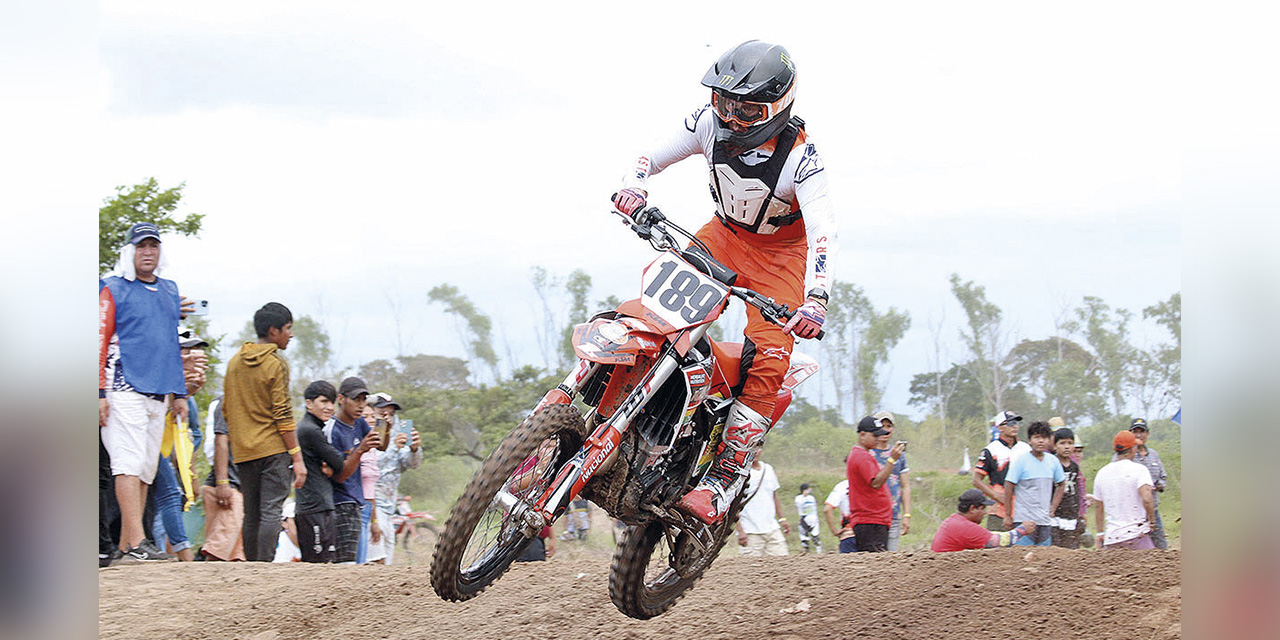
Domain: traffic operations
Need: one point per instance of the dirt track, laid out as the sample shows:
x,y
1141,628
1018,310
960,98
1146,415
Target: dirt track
x,y
992,594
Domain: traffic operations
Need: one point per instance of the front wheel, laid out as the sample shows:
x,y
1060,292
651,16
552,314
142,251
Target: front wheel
x,y
648,576
481,538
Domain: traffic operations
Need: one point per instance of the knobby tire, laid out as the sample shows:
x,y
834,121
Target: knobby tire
x,y
448,578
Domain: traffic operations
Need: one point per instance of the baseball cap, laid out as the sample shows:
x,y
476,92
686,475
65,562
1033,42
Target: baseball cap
x,y
1079,442
871,425
187,339
1138,423
1056,422
884,415
320,388
352,387
973,497
1005,416
380,400
143,230
1124,441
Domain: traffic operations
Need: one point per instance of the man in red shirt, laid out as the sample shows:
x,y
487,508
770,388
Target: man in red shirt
x,y
961,530
870,506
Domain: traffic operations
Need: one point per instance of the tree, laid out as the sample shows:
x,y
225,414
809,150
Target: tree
x,y
478,325
1061,375
1157,379
1107,333
858,341
987,340
144,202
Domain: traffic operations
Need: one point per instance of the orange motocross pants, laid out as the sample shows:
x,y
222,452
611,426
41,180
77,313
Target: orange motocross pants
x,y
773,265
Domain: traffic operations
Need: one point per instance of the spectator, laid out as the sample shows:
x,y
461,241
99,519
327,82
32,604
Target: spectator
x,y
168,499
223,502
139,378
1068,518
347,430
578,523
1033,487
325,465
899,485
262,431
540,549
1124,498
870,506
963,530
838,501
370,528
404,453
807,509
993,464
761,526
1148,458
287,544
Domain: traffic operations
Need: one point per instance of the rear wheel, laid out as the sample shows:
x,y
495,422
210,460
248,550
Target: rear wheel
x,y
481,537
648,576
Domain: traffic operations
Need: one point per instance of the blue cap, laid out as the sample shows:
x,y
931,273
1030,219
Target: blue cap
x,y
143,230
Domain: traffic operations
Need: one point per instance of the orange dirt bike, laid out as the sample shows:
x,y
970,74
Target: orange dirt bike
x,y
657,390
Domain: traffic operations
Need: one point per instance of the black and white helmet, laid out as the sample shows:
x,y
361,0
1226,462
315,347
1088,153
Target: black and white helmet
x,y
752,87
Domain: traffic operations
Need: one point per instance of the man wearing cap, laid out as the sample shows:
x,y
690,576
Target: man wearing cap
x,y
1124,499
1148,458
898,483
962,530
346,432
140,377
404,453
870,506
261,430
325,466
993,464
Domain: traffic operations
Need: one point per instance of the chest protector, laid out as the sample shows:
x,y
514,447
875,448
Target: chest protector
x,y
744,194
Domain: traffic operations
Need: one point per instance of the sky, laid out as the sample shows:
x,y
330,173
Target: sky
x,y
348,158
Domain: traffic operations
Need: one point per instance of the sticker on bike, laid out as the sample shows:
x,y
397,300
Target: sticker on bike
x,y
679,294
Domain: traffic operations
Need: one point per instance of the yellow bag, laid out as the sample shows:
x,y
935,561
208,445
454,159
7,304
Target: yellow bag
x,y
177,440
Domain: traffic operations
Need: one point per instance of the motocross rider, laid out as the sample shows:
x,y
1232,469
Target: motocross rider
x,y
773,225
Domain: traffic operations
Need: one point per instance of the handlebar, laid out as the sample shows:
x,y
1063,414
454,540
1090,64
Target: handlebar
x,y
648,224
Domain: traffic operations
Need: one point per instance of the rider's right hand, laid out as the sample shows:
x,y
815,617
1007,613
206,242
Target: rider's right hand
x,y
629,201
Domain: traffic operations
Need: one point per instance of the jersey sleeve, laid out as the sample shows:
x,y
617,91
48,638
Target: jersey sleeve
x,y
811,193
692,138
106,329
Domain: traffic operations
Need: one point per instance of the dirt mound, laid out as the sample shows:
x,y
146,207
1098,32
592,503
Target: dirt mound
x,y
1049,593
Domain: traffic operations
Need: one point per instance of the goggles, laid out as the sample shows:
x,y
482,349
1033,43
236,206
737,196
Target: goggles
x,y
745,113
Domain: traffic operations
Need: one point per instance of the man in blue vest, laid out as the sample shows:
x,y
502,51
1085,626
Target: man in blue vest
x,y
140,377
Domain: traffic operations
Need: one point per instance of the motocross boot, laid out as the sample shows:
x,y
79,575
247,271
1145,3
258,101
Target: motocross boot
x,y
743,437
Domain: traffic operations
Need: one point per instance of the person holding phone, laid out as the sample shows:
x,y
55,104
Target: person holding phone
x,y
870,506
404,453
899,487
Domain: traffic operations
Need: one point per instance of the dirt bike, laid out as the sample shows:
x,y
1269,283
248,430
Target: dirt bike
x,y
657,390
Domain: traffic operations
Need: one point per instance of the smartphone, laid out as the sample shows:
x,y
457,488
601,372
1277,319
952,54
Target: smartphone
x,y
202,308
381,426
903,443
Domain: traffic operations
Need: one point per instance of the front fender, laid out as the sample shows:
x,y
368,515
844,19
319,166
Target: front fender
x,y
614,341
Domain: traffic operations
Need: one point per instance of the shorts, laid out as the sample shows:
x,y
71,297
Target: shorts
x,y
1066,538
872,537
316,536
772,543
135,426
346,532
1041,537
1141,542
848,545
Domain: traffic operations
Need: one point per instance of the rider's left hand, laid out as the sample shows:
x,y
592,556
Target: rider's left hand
x,y
807,321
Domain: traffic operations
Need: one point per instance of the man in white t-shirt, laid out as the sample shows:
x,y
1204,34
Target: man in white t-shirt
x,y
1125,499
762,528
838,501
810,530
